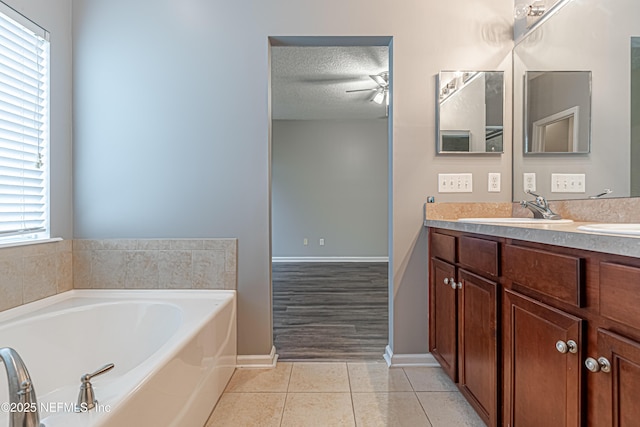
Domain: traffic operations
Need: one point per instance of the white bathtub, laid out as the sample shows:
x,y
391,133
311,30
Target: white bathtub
x,y
174,352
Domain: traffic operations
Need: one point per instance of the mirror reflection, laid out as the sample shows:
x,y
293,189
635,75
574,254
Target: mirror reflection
x,y
470,111
600,37
557,111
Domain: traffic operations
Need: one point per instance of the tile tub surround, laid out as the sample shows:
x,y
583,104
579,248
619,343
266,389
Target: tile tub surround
x,y
32,272
342,394
155,264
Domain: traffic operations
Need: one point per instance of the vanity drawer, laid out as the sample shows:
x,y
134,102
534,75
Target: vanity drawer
x,y
620,293
479,255
551,274
443,246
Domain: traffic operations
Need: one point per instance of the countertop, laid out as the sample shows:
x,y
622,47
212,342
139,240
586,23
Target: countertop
x,y
566,235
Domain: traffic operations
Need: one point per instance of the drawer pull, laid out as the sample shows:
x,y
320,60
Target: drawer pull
x,y
602,364
567,347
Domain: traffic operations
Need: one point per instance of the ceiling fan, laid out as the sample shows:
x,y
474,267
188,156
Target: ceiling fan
x,y
380,93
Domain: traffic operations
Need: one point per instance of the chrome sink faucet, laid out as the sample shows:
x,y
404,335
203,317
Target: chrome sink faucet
x,y
540,207
23,404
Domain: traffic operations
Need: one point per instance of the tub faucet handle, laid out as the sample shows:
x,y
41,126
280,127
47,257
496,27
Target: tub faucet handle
x,y
105,368
86,397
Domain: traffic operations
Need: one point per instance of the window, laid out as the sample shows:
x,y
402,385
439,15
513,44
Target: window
x,y
24,128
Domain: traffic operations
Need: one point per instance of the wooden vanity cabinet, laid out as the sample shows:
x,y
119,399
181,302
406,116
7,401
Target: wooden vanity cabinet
x,y
443,326
463,317
478,344
542,364
618,385
536,334
543,343
614,371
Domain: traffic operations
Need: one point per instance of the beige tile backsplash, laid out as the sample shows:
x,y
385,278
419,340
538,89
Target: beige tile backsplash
x,y
452,210
32,272
600,210
155,264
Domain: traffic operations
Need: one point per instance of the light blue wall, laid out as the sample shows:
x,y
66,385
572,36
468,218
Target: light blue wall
x,y
329,180
172,127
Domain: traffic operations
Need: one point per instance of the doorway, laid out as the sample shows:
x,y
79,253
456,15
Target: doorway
x,y
330,196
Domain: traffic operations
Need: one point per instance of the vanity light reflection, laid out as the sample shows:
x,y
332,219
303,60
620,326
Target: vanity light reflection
x,y
469,112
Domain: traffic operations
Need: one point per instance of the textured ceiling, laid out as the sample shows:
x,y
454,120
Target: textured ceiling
x,y
310,82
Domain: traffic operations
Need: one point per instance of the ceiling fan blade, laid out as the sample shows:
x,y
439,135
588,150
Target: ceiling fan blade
x,y
360,90
381,79
379,96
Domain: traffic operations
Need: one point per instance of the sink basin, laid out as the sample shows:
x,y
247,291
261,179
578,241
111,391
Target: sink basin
x,y
510,220
613,228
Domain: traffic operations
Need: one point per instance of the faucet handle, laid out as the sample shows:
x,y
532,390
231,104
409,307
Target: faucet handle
x,y
86,398
528,191
105,368
540,200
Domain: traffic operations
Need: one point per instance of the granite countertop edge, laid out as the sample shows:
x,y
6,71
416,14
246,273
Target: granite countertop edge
x,y
566,235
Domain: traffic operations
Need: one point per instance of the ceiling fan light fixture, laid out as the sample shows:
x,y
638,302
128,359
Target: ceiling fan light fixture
x,y
378,98
381,79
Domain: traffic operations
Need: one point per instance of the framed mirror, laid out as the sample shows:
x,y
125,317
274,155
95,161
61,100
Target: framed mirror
x,y
470,112
599,37
557,112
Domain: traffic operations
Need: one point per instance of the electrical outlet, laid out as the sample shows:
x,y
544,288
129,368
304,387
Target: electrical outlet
x,y
529,180
305,241
321,242
494,182
568,182
455,183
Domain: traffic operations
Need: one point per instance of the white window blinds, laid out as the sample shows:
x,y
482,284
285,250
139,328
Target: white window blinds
x,y
24,128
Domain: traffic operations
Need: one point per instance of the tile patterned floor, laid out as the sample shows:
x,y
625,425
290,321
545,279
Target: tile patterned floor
x,y
328,394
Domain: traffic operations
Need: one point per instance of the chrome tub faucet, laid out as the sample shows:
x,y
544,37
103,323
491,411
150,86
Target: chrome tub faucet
x,y
540,207
23,406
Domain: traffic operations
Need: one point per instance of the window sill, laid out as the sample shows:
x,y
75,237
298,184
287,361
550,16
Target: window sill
x,y
30,242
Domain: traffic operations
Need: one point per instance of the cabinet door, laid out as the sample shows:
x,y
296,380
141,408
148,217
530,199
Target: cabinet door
x,y
620,387
442,317
477,347
542,384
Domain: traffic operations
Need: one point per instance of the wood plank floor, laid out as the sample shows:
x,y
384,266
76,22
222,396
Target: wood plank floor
x,y
330,311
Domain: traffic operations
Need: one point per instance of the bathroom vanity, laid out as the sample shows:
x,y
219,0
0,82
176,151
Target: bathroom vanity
x,y
538,326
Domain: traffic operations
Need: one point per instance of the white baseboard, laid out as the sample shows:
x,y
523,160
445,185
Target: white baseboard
x,y
331,259
260,361
409,360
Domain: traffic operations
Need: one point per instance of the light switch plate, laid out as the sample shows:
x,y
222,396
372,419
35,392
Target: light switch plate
x,y
455,183
568,182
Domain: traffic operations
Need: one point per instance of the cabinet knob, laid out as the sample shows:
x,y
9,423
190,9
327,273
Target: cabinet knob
x,y
450,281
567,347
602,364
